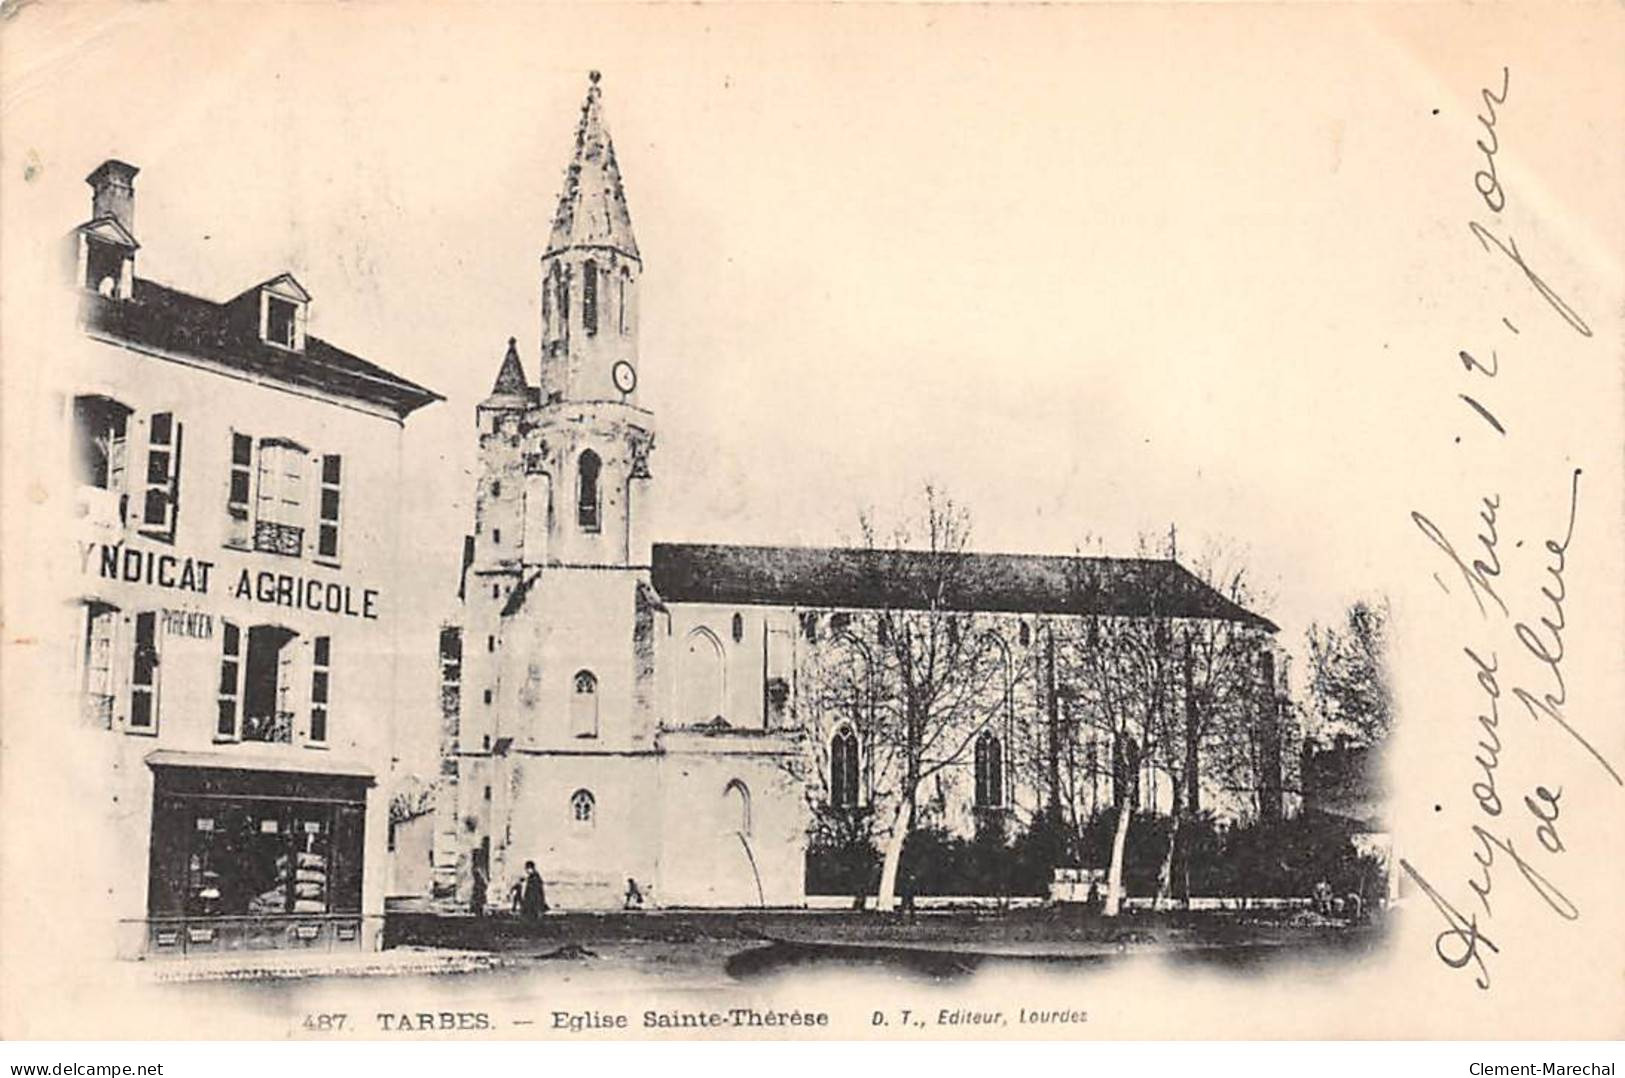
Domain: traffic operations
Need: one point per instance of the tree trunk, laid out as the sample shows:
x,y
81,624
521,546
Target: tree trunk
x,y
886,901
1114,878
1165,875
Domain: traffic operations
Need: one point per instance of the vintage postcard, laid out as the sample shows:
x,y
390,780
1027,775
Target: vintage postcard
x,y
812,521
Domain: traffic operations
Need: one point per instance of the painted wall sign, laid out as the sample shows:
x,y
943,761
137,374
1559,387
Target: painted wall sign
x,y
177,572
192,623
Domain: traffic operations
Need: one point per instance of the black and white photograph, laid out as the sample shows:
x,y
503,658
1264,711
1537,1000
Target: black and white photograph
x,y
818,522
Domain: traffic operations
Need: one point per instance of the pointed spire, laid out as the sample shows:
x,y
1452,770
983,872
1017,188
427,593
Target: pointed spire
x,y
592,207
511,380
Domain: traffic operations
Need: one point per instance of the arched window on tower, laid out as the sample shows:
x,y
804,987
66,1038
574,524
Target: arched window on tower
x,y
589,297
989,771
625,283
843,768
588,501
583,809
584,705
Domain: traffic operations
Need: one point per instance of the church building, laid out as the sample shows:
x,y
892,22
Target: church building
x,y
674,724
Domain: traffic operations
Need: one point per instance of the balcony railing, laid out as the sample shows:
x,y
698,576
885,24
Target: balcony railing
x,y
273,538
275,726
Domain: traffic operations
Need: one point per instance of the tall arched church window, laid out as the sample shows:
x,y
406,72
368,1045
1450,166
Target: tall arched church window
x,y
736,806
700,678
989,771
843,768
583,809
588,501
584,705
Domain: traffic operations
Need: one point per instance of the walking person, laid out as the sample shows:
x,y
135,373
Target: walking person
x,y
533,900
481,883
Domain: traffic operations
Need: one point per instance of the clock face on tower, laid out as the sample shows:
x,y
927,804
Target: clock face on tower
x,y
624,376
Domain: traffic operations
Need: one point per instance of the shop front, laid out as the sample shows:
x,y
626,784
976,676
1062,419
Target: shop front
x,y
254,858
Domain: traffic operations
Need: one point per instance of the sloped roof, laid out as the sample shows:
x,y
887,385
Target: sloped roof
x,y
157,316
904,579
108,228
592,209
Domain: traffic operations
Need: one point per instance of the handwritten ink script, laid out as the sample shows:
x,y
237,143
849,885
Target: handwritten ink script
x,y
1516,657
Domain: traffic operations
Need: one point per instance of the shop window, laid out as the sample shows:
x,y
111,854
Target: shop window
x,y
279,514
584,705
161,500
100,429
231,681
321,663
588,501
248,857
989,771
589,297
268,685
583,809
144,674
843,768
327,520
101,621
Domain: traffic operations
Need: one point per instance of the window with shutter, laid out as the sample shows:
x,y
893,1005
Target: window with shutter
x,y
161,500
231,681
100,622
320,686
240,493
279,510
144,674
327,527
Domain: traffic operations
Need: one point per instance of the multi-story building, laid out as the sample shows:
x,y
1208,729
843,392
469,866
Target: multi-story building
x,y
672,718
236,521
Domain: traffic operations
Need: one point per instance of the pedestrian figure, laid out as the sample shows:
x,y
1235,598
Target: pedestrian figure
x,y
516,895
1323,898
634,897
533,899
476,901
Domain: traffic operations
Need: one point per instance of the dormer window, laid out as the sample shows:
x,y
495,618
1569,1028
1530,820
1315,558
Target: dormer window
x,y
106,259
280,316
283,307
104,266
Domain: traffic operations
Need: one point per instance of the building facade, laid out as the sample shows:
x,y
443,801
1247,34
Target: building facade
x,y
234,522
673,724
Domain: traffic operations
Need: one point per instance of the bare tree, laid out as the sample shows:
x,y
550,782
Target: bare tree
x,y
920,678
1349,690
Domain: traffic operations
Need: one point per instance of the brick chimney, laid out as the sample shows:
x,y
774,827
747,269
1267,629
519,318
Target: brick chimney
x,y
113,193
